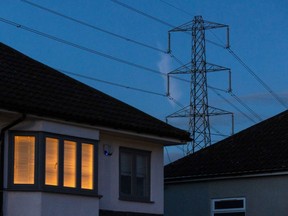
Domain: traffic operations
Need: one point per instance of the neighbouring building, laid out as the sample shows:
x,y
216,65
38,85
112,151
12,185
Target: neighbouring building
x,y
245,174
68,149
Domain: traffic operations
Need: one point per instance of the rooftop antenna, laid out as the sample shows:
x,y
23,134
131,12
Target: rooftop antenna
x,y
198,111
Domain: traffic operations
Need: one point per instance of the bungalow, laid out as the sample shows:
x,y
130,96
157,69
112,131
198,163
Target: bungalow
x,y
68,149
245,174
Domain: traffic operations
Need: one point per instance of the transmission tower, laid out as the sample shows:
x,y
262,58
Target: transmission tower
x,y
198,111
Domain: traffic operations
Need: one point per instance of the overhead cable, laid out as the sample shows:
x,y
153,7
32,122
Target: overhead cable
x,y
79,46
255,76
177,8
111,83
247,107
142,13
228,48
216,90
235,107
90,50
276,97
94,27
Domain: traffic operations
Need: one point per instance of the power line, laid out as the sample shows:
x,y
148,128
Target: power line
x,y
232,94
122,86
229,49
177,8
94,27
255,76
81,47
112,83
85,48
142,13
276,97
107,32
248,108
154,18
89,50
235,107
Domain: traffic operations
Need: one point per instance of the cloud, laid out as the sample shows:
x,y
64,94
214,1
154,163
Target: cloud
x,y
164,66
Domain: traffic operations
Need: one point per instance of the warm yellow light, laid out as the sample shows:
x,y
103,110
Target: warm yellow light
x,y
51,161
87,166
69,164
24,159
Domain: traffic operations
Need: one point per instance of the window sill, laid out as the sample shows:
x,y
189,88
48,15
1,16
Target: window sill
x,y
135,199
57,191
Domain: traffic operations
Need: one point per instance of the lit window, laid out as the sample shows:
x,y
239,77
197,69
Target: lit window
x,y
134,175
24,159
228,207
51,161
70,163
87,171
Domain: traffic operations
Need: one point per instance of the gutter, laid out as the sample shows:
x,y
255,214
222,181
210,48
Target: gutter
x,y
267,174
168,141
2,154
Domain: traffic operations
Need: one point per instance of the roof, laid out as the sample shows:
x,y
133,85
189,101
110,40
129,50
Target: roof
x,y
30,87
262,148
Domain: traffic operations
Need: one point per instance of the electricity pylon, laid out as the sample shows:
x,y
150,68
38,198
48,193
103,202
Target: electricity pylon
x,y
198,111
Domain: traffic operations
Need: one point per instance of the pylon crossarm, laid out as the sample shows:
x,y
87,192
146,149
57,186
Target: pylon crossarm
x,y
185,69
184,112
214,68
184,27
213,111
213,25
206,25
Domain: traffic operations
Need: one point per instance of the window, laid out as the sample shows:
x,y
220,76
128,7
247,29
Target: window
x,y
134,175
51,161
70,151
65,164
24,160
87,173
229,207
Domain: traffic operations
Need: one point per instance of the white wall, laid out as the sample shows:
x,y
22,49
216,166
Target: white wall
x,y
49,204
109,175
58,128
24,203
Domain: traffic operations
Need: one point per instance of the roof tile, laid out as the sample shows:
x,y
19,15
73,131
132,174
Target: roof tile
x,y
30,87
261,148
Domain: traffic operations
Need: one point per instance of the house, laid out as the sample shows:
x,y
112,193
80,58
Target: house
x,y
68,149
245,174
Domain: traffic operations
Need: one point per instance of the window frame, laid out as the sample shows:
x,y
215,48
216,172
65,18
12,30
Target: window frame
x,y
215,211
11,157
133,196
40,160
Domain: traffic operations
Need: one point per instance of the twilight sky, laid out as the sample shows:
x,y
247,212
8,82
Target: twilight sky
x,y
118,47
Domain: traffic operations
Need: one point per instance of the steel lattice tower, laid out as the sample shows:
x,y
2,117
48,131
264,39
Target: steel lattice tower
x,y
198,111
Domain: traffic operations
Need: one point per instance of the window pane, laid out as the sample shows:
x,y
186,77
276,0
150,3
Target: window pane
x,y
230,214
51,161
126,173
141,175
229,204
69,164
24,159
87,166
